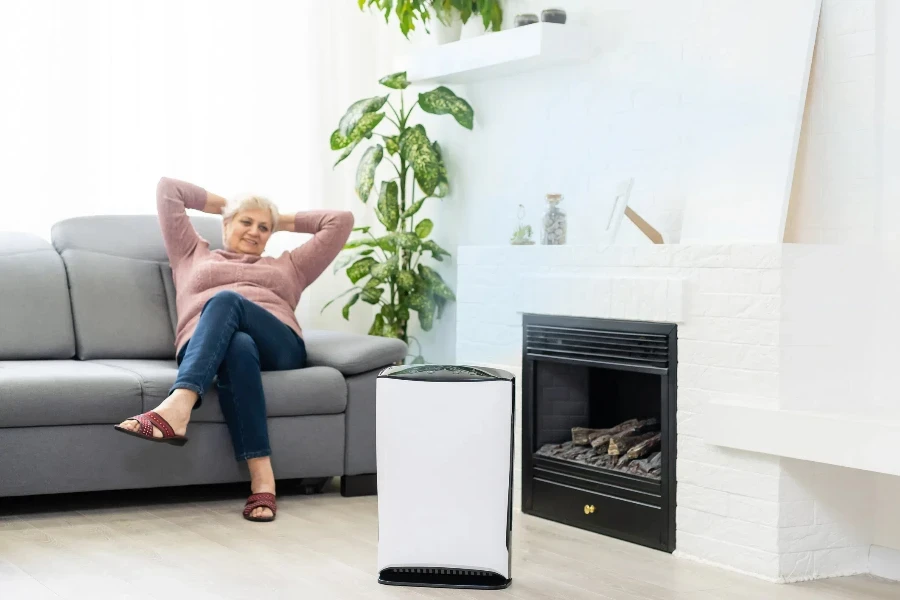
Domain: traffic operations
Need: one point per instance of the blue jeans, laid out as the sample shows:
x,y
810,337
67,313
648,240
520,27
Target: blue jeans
x,y
237,340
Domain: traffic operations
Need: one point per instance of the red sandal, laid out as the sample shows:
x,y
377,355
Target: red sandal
x,y
147,421
263,499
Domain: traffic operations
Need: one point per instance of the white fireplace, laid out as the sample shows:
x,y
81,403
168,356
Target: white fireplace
x,y
777,456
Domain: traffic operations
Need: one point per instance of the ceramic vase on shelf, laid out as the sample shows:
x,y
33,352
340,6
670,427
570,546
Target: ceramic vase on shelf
x,y
446,34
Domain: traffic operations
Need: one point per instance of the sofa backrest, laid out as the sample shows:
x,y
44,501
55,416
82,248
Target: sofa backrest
x,y
35,314
120,284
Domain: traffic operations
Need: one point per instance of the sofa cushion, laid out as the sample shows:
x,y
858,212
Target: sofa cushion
x,y
120,307
65,392
127,236
310,391
35,314
351,353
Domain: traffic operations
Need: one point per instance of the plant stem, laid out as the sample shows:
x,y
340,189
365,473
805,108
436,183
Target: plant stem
x,y
393,164
409,112
393,110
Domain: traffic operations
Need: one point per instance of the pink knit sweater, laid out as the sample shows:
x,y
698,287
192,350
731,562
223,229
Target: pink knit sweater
x,y
273,283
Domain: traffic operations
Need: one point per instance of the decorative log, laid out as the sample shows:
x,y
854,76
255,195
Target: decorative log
x,y
581,436
630,427
620,445
646,447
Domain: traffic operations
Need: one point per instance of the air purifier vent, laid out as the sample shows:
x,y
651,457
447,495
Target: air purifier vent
x,y
440,577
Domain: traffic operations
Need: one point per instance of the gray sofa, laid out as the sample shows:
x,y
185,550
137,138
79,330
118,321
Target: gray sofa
x,y
87,340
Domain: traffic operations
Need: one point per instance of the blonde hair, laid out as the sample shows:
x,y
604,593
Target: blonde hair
x,y
243,202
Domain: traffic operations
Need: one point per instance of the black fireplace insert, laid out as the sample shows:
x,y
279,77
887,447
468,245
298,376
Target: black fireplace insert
x,y
598,438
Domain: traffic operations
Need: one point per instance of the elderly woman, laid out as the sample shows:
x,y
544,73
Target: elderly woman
x,y
236,318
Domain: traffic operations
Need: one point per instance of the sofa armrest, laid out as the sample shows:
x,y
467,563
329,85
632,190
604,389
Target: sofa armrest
x,y
352,353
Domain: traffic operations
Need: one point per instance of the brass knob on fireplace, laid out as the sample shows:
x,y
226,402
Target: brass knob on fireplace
x,y
588,509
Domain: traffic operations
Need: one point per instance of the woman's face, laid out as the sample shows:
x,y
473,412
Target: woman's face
x,y
248,231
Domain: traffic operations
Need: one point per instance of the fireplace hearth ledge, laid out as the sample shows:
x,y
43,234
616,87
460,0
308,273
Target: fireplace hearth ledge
x,y
804,435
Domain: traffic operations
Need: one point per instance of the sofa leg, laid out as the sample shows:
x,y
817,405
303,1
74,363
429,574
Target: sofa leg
x,y
358,485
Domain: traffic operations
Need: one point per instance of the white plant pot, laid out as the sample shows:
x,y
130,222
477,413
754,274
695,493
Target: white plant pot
x,y
473,28
445,34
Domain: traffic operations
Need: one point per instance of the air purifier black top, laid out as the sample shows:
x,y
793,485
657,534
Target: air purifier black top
x,y
445,373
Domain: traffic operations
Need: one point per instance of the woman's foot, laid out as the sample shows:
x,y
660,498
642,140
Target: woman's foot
x,y
262,480
176,409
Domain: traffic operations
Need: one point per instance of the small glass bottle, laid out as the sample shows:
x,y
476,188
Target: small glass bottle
x,y
553,231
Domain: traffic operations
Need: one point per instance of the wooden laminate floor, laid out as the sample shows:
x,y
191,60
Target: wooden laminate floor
x,y
198,547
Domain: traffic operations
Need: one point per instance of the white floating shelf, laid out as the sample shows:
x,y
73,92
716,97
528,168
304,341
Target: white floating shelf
x,y
805,435
499,54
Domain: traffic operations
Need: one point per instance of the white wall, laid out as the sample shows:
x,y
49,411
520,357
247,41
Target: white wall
x,y
102,97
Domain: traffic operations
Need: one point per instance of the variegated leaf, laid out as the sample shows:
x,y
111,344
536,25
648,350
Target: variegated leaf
x,y
437,284
442,101
437,252
386,270
413,209
408,241
361,268
443,186
377,325
371,294
406,280
416,148
424,227
339,141
365,173
356,112
346,310
396,81
388,205
392,143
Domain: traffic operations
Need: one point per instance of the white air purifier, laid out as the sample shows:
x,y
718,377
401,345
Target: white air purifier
x,y
444,447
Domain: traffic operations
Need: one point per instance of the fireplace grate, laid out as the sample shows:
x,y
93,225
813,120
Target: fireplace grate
x,y
647,350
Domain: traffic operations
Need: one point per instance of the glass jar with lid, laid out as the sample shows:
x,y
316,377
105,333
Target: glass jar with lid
x,y
553,225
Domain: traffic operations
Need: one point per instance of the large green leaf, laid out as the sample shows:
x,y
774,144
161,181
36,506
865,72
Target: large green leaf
x,y
377,325
386,270
339,141
365,173
422,302
416,148
413,209
346,310
360,268
406,280
388,205
387,242
347,152
424,227
436,283
442,101
396,81
366,124
341,295
440,303
360,242
443,186
356,112
372,293
408,241
347,258
437,252
392,143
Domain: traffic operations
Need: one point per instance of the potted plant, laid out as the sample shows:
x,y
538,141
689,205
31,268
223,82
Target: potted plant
x,y
389,269
448,18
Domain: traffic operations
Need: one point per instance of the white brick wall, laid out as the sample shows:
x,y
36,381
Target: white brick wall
x,y
776,518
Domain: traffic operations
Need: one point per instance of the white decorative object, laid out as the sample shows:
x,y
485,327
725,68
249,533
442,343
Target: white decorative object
x,y
740,171
446,34
444,453
473,28
499,54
